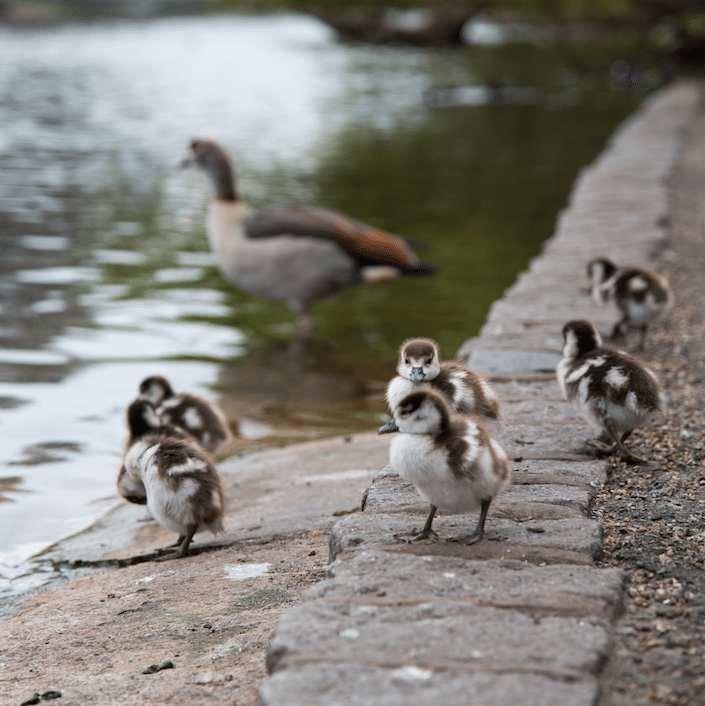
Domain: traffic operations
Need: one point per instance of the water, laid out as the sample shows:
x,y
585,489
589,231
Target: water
x,y
105,273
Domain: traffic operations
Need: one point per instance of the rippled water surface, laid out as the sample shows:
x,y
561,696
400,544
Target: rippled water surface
x,y
105,273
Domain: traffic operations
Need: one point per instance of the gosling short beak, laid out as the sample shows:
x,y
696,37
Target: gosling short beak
x,y
417,375
389,427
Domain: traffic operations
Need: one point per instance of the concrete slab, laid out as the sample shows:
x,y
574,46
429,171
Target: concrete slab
x,y
436,635
382,578
498,333
503,538
539,391
531,410
549,494
351,684
493,361
588,473
547,439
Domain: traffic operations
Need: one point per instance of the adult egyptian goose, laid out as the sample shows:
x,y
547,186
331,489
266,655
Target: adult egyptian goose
x,y
452,460
294,254
466,391
612,390
640,294
170,473
194,415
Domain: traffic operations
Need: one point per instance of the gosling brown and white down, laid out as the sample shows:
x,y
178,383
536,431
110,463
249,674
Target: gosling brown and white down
x,y
452,459
197,417
170,473
641,295
466,391
612,390
294,254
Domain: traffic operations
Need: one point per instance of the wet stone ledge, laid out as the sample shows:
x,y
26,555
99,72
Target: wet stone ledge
x,y
524,616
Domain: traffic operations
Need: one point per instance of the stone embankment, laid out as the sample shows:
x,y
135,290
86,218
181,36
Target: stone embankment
x,y
524,616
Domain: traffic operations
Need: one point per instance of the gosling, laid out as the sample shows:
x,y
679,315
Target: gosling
x,y
642,296
194,415
466,391
453,461
612,390
170,473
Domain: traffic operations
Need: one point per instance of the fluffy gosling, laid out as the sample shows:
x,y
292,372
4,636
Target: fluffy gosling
x,y
612,390
170,473
194,415
466,391
452,460
641,295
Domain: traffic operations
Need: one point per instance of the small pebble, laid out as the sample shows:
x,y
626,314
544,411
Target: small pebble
x,y
34,700
51,694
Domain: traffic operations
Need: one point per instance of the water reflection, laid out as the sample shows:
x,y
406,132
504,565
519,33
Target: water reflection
x,y
105,273
289,390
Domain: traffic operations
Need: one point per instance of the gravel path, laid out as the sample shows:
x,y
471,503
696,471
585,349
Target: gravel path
x,y
653,516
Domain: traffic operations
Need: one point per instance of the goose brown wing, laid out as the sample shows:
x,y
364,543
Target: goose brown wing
x,y
365,244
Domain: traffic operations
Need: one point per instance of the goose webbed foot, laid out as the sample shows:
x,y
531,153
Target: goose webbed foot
x,y
165,555
601,446
170,547
467,539
630,458
479,531
622,451
180,548
427,534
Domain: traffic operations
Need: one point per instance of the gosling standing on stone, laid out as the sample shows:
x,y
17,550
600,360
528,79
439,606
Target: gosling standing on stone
x,y
451,459
466,391
194,415
294,254
641,295
172,475
612,390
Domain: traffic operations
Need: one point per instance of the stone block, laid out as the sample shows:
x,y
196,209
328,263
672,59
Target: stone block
x,y
507,361
590,473
391,494
547,439
377,577
503,538
439,634
352,684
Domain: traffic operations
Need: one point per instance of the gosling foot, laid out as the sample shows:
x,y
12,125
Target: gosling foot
x,y
467,539
414,537
632,459
601,446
